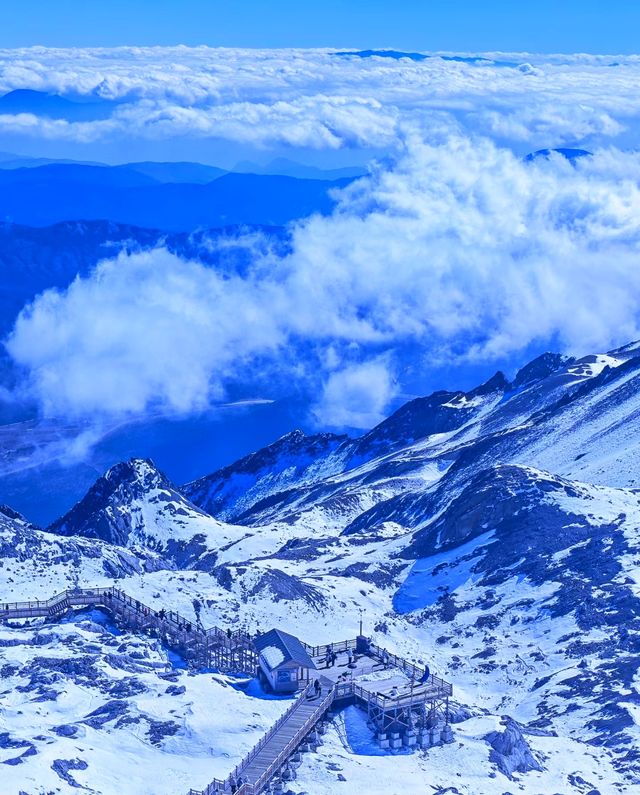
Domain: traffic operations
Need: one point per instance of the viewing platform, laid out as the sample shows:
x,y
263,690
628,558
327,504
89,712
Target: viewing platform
x,y
406,705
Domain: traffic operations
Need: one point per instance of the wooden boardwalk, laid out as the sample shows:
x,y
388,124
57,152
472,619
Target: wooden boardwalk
x,y
399,699
271,756
230,652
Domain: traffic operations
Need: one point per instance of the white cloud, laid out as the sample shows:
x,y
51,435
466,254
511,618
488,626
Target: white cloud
x,y
142,332
356,396
460,249
314,98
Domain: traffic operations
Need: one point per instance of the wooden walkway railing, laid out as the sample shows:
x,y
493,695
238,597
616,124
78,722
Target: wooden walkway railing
x,y
413,671
232,652
280,754
432,688
321,651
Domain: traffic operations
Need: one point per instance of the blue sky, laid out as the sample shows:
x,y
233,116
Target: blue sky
x,y
462,25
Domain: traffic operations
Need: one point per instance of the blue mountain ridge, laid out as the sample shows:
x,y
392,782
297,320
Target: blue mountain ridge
x,y
54,193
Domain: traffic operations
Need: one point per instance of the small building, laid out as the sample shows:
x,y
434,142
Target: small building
x,y
284,663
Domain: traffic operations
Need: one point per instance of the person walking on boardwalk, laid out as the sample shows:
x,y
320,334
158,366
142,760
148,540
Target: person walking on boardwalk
x,y
233,784
317,688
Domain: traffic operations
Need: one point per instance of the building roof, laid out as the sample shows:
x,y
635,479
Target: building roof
x,y
278,648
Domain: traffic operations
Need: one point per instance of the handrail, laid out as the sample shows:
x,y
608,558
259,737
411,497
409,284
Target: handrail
x,y
302,698
252,788
77,596
282,757
321,651
186,632
411,669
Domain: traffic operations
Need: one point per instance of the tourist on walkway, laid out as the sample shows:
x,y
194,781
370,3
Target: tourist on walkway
x,y
426,675
317,687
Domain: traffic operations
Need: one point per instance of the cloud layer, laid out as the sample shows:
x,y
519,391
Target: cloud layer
x,y
317,99
458,250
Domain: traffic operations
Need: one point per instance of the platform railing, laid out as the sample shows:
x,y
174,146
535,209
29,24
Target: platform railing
x,y
251,788
322,651
313,719
386,659
190,631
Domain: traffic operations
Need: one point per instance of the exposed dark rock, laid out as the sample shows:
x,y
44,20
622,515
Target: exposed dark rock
x,y
158,730
6,741
112,710
18,760
63,766
66,730
540,368
281,586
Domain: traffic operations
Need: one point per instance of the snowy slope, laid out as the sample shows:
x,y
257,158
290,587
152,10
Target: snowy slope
x,y
257,484
34,564
85,707
293,460
494,534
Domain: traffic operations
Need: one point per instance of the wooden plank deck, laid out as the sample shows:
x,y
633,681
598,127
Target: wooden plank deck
x,y
303,715
272,753
397,681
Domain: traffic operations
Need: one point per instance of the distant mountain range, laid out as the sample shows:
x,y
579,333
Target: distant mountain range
x,y
198,173
48,194
54,106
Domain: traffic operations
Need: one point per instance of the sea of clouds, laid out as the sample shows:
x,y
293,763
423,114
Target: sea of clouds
x,y
322,99
453,248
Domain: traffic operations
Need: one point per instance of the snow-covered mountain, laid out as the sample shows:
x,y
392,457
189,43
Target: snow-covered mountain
x,y
290,461
493,533
135,506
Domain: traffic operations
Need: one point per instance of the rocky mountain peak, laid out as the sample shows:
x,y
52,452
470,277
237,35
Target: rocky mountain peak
x,y
497,382
541,367
293,458
141,472
107,510
6,512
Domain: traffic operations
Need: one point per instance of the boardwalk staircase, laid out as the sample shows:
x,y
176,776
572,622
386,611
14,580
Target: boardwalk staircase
x,y
58,606
273,758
